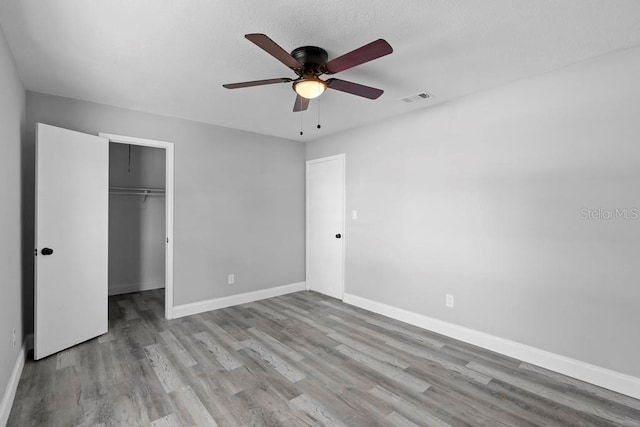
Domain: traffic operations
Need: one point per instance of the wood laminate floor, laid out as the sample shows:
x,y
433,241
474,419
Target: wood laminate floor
x,y
295,360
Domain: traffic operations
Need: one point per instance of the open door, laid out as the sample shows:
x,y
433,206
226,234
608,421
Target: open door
x,y
72,206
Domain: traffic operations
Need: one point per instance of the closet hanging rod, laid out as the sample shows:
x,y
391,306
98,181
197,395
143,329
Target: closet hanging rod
x,y
135,189
132,193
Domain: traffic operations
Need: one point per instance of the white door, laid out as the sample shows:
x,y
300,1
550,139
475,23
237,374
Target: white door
x,y
325,225
72,205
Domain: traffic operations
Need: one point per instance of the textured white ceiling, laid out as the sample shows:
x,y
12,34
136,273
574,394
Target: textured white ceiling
x,y
171,57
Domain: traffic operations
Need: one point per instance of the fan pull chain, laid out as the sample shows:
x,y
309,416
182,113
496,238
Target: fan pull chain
x,y
318,103
301,133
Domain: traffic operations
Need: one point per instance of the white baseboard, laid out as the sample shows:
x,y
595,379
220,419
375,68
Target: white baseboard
x,y
612,380
10,391
127,288
231,300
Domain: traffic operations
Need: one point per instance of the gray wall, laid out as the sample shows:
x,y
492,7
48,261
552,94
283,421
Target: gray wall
x,y
136,224
12,114
239,196
482,198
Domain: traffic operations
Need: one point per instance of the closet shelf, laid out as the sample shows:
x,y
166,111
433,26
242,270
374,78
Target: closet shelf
x,y
137,191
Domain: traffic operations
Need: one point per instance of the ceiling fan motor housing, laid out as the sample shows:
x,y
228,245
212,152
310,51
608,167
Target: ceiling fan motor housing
x,y
312,58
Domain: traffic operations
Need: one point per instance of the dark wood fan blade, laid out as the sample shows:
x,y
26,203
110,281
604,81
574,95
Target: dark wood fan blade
x,y
301,104
354,88
257,83
359,56
273,49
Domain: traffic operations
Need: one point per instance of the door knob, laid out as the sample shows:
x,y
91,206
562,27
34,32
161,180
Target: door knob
x,y
46,251
338,236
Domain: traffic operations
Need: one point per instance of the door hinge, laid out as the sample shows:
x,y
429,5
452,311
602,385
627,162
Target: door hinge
x,y
35,252
167,240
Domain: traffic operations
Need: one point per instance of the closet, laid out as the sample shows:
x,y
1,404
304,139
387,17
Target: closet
x,y
137,229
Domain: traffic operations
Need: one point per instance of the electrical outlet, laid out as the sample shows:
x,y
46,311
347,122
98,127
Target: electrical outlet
x,y
449,300
14,337
231,279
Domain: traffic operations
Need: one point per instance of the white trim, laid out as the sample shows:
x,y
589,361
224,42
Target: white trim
x,y
127,288
134,140
326,159
12,386
231,300
612,380
169,200
342,157
306,224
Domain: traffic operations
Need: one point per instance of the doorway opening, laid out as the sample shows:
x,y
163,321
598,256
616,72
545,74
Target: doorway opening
x,y
141,217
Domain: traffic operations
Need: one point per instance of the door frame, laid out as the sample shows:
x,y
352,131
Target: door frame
x,y
169,197
342,157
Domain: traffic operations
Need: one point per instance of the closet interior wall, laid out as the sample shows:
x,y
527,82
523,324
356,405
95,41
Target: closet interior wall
x,y
136,223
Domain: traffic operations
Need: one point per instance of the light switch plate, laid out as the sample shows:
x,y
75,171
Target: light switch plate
x,y
449,300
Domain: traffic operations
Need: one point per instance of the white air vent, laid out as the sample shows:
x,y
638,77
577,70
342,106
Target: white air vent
x,y
417,97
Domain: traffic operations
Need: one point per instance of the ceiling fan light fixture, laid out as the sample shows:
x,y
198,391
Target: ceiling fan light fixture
x,y
309,87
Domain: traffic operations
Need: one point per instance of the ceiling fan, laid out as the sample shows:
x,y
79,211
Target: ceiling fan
x,y
310,62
